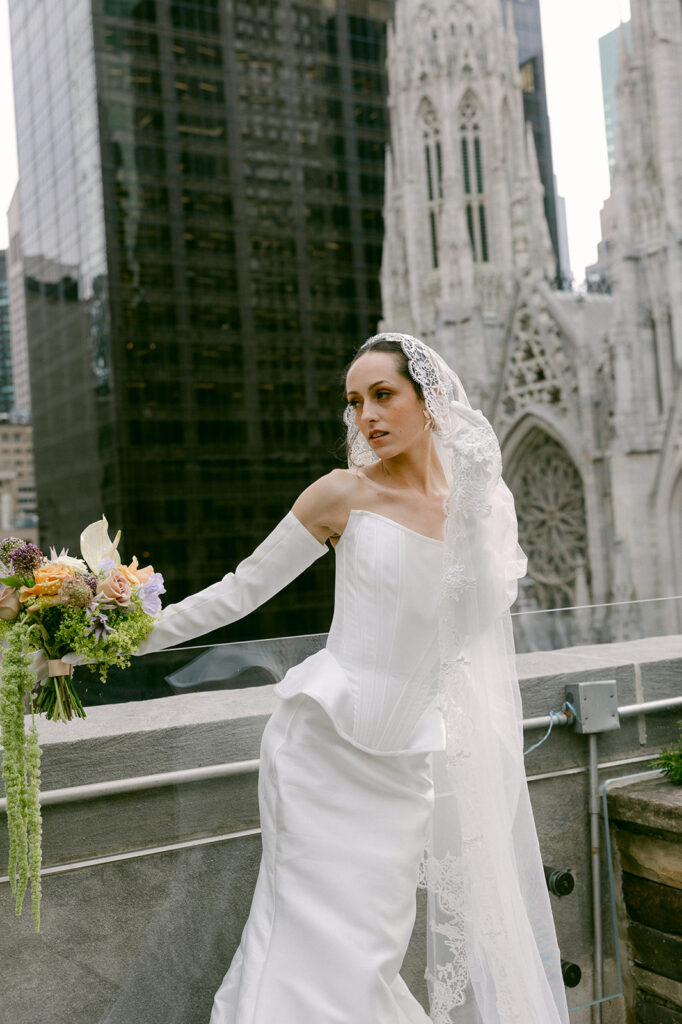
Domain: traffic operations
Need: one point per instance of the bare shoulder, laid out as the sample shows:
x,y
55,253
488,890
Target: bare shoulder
x,y
325,505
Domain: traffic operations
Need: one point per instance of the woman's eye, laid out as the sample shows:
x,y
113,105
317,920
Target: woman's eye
x,y
383,394
352,403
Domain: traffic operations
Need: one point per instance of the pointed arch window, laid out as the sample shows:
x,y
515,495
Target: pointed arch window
x,y
473,177
433,171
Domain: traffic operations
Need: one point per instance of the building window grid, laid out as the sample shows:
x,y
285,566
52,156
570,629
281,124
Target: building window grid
x,y
372,183
473,179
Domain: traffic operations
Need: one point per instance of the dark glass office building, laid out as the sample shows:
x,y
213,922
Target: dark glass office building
x,y
6,391
528,28
201,187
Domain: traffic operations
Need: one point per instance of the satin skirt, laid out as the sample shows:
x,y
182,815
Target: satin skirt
x,y
343,832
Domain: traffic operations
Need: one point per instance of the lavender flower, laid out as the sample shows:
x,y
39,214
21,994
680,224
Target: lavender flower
x,y
149,594
98,621
25,559
7,546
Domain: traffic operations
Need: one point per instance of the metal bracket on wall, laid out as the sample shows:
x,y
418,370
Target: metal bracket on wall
x,y
596,704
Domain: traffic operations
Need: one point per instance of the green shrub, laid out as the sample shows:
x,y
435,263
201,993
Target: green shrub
x,y
670,761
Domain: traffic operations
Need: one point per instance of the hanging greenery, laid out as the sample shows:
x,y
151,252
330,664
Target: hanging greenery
x,y
21,770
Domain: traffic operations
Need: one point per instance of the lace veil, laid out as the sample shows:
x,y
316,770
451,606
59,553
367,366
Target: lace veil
x,y
492,952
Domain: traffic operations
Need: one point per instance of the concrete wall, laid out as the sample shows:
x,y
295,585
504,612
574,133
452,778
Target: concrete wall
x,y
131,934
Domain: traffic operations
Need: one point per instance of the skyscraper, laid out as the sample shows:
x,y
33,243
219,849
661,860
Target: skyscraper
x,y
562,234
201,189
17,313
528,30
608,59
5,350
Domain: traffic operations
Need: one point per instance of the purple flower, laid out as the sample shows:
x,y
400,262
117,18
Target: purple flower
x,y
105,564
25,559
91,581
98,621
149,594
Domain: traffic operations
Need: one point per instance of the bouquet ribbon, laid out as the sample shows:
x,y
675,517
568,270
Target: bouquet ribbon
x,y
59,668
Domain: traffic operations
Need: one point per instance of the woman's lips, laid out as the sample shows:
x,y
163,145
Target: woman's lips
x,y
373,438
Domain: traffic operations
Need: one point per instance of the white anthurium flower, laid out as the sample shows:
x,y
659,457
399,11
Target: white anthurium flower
x,y
97,546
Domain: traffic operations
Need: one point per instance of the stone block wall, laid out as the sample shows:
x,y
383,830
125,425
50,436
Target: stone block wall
x,y
646,825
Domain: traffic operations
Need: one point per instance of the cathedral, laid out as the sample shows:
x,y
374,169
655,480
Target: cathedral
x,y
584,390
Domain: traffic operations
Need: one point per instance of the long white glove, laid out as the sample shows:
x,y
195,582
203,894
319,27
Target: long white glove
x,y
278,560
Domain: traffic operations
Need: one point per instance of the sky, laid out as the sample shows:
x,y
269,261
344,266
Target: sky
x,y
571,30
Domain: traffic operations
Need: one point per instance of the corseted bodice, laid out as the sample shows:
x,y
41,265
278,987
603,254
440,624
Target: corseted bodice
x,y
378,676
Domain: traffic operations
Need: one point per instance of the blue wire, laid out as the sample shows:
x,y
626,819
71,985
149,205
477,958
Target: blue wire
x,y
567,704
554,716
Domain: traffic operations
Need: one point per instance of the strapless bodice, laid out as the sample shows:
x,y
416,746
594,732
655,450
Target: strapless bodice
x,y
378,675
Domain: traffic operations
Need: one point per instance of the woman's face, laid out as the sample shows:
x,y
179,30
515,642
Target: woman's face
x,y
387,410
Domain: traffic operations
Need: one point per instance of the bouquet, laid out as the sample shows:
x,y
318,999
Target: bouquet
x,y
55,613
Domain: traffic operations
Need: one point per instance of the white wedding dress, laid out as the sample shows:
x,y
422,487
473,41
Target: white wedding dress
x,y
350,791
345,795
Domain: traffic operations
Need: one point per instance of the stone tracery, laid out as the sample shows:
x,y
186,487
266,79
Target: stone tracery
x,y
550,507
538,371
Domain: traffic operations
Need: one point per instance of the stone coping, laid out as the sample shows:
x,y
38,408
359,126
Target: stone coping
x,y
597,657
653,803
160,713
199,708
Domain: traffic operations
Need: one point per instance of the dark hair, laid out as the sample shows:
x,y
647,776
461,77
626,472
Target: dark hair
x,y
395,348
381,345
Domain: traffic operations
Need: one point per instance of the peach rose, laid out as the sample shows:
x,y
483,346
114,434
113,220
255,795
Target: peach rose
x,y
9,604
115,588
49,579
134,575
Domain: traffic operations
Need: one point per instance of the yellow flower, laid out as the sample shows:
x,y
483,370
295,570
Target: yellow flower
x,y
135,575
48,580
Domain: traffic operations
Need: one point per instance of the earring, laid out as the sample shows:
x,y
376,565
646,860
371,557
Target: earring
x,y
429,422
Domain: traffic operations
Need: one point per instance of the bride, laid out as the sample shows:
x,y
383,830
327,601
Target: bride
x,y
395,758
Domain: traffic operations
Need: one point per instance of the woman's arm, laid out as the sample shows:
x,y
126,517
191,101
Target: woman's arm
x,y
324,507
280,558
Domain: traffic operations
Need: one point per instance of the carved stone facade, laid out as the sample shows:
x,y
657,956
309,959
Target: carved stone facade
x,y
583,390
646,330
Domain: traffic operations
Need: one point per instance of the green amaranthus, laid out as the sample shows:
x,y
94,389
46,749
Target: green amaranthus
x,y
71,631
21,771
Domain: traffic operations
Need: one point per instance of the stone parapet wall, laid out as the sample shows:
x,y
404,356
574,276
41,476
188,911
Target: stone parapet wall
x,y
146,892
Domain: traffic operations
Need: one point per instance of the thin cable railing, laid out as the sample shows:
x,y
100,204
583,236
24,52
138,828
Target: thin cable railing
x,y
602,604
